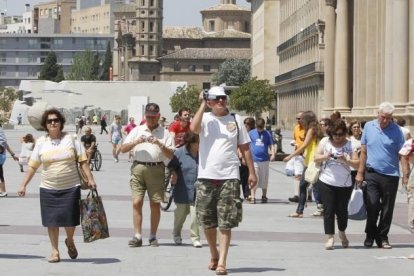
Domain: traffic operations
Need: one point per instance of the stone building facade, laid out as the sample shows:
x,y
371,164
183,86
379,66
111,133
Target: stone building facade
x,y
145,50
53,17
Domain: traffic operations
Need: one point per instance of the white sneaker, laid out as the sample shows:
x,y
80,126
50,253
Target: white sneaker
x,y
3,194
116,160
178,240
197,244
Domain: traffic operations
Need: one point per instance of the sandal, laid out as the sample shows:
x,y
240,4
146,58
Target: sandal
x,y
213,264
72,252
296,215
221,270
53,259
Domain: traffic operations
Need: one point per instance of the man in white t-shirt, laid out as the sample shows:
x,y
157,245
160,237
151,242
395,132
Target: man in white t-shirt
x,y
218,202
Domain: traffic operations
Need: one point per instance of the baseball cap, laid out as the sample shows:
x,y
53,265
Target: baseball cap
x,y
152,110
217,91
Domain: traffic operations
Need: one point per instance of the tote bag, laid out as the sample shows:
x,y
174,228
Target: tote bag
x,y
93,218
356,206
312,173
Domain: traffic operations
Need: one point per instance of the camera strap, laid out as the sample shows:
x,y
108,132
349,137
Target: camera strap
x,y
237,126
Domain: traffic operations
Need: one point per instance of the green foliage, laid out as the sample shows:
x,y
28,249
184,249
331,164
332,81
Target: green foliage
x,y
185,97
50,70
233,72
85,66
107,63
7,97
255,96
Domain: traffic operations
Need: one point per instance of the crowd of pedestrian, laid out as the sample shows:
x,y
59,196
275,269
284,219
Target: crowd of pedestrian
x,y
208,185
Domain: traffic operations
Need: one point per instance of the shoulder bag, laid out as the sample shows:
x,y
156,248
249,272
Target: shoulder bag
x,y
82,176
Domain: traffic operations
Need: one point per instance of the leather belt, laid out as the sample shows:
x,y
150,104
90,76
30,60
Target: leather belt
x,y
150,164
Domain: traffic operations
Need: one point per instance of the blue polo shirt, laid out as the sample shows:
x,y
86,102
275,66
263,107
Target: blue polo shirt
x,y
382,147
259,145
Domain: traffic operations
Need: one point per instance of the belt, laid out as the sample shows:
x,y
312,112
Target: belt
x,y
371,170
150,164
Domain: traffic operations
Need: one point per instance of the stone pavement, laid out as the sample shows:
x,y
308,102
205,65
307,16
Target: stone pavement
x,y
266,243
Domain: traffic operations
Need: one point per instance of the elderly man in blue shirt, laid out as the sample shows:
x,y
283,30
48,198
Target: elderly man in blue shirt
x,y
379,166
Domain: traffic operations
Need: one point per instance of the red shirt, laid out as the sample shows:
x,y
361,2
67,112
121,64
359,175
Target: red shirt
x,y
179,131
129,127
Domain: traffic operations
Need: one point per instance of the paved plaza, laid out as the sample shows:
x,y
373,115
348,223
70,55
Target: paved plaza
x,y
266,243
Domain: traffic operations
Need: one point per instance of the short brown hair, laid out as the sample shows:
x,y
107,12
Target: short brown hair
x,y
56,112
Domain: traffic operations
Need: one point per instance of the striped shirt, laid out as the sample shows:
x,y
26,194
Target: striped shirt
x,y
58,160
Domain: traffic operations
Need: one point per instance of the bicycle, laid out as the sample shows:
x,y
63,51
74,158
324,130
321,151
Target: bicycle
x,y
96,160
168,192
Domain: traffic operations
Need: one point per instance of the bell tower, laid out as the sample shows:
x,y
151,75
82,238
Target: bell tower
x,y
149,16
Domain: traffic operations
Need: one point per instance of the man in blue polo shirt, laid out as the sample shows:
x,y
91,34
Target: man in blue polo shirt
x,y
379,166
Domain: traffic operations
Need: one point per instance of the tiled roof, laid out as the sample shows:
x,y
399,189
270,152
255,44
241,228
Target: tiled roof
x,y
199,33
209,53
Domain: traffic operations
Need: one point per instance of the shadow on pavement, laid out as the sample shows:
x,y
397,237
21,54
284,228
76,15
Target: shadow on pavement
x,y
94,260
254,269
19,256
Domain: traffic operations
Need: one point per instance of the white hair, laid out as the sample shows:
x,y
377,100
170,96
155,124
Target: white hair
x,y
386,108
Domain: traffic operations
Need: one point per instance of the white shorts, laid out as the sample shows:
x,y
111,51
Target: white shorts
x,y
262,173
299,164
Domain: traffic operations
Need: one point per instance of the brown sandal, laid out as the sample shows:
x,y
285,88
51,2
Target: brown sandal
x,y
221,270
72,252
213,264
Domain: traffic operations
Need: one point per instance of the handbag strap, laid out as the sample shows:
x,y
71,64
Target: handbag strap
x,y
74,149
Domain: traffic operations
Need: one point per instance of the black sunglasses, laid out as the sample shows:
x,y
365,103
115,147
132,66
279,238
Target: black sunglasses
x,y
217,98
54,120
339,134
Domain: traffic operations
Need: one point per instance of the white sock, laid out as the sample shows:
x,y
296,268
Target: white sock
x,y
138,236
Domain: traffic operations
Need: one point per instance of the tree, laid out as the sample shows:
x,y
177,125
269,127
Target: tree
x,y
107,63
255,96
85,66
7,98
233,72
50,70
185,97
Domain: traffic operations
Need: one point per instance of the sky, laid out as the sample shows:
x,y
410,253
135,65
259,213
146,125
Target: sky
x,y
176,12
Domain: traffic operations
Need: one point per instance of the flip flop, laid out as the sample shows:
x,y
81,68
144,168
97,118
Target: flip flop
x,y
221,270
53,259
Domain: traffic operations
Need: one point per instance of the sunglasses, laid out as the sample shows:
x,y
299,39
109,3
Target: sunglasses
x,y
298,119
217,98
54,120
338,134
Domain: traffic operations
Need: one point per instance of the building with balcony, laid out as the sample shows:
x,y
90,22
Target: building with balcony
x,y
53,17
17,24
98,17
22,55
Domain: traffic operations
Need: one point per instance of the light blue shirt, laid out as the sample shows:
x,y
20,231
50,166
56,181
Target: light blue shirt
x,y
382,147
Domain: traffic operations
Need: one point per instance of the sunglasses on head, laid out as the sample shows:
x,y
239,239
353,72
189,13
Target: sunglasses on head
x,y
54,120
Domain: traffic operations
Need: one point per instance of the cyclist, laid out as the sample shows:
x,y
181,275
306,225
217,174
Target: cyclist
x,y
89,142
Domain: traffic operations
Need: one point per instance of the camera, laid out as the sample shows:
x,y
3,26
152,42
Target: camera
x,y
205,95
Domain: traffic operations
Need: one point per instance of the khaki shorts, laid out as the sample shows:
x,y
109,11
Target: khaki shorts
x,y
218,203
147,178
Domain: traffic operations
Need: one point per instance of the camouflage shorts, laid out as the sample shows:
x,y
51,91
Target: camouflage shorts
x,y
218,203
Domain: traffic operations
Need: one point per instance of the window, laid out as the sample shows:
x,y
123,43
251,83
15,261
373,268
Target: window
x,y
3,71
142,50
142,2
33,44
177,67
31,58
3,57
142,23
246,27
57,43
191,68
32,72
151,27
211,25
151,50
206,68
152,3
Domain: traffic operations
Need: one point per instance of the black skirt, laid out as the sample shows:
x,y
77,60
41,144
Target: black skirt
x,y
60,208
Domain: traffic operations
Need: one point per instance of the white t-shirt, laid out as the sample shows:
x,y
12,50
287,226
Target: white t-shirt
x,y
148,152
218,146
335,172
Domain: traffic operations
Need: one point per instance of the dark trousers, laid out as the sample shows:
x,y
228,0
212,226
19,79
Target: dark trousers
x,y
335,203
379,197
303,193
244,179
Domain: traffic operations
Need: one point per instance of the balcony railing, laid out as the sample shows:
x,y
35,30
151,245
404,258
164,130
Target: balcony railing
x,y
316,67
